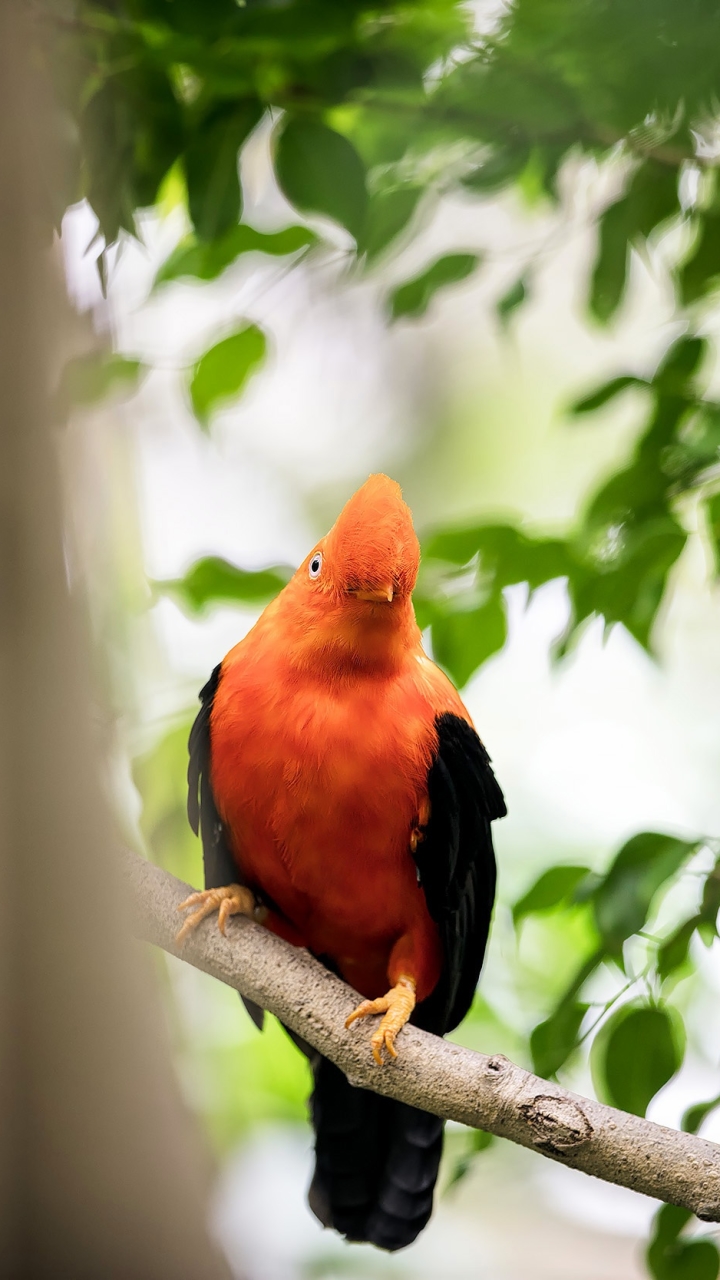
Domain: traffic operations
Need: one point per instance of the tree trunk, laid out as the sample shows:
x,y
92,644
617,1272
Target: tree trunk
x,y
103,1174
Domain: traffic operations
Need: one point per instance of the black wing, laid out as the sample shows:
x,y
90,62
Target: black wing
x,y
219,865
456,866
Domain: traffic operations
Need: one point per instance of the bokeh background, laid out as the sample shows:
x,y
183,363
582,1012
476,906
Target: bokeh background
x,y
468,405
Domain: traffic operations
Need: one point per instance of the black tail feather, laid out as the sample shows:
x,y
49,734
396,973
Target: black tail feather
x,y
376,1164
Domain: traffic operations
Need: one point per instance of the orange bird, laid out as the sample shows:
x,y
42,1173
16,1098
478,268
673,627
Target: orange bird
x,y
345,800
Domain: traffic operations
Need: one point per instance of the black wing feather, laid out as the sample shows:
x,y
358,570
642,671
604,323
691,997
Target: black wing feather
x,y
219,864
456,866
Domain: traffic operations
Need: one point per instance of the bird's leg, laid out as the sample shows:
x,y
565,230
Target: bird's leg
x,y
397,1006
230,900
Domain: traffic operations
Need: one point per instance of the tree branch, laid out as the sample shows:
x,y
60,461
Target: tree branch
x,y
488,1093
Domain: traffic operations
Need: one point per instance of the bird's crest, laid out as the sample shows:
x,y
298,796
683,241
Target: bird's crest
x,y
373,546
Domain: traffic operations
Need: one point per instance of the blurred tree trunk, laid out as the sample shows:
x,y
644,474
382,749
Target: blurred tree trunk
x,y
102,1173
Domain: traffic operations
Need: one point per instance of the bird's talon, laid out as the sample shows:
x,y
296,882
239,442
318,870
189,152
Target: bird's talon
x,y
229,900
396,1006
362,1011
189,902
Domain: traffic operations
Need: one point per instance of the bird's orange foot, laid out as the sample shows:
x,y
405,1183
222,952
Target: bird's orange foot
x,y
230,900
397,1006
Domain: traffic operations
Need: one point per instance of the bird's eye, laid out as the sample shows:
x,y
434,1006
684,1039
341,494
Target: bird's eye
x,y
315,565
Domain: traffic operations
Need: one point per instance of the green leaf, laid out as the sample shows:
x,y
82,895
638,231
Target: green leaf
x,y
554,886
636,497
208,261
87,379
669,1222
211,167
463,640
617,568
679,364
510,301
653,195
606,392
610,272
710,904
502,168
131,131
389,213
700,273
712,514
213,580
671,1258
674,952
221,373
638,1050
320,171
455,546
627,572
696,1115
552,1041
695,447
687,1260
413,298
480,1140
506,555
650,200
624,897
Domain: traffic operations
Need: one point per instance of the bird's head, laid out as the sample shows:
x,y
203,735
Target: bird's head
x,y
353,590
371,554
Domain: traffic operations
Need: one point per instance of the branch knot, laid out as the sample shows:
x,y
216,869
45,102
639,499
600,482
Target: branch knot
x,y
496,1066
558,1124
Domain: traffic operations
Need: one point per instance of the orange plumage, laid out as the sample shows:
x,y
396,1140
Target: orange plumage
x,y
343,787
323,734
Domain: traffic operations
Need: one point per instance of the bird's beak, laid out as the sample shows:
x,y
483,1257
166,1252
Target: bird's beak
x,y
383,595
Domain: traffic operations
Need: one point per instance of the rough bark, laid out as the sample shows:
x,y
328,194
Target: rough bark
x,y
489,1093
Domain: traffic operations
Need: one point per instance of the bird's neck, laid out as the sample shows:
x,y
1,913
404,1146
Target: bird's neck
x,y
351,641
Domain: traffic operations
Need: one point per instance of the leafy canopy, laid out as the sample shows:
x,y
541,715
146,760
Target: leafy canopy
x,y
376,112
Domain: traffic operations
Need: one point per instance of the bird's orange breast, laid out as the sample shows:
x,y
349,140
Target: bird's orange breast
x,y
320,785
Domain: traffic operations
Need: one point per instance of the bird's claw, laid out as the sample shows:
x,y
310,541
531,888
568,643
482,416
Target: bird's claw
x,y
230,900
396,1005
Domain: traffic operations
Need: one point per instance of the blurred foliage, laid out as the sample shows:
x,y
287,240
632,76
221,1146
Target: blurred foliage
x,y
376,112
222,372
695,1116
213,580
320,171
85,380
617,559
478,1140
672,1256
638,1050
513,299
194,260
413,298
555,886
621,905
